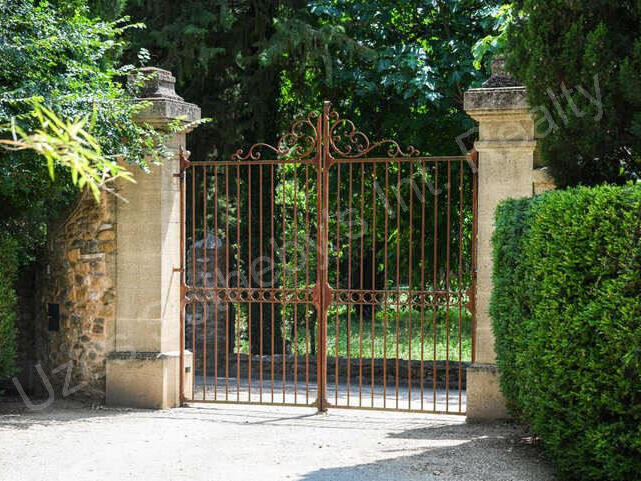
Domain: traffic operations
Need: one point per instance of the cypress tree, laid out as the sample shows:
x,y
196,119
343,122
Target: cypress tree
x,y
581,63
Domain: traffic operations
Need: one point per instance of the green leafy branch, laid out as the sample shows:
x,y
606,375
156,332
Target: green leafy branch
x,y
496,41
71,145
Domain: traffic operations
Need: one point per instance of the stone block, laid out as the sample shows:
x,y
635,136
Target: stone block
x,y
485,402
145,379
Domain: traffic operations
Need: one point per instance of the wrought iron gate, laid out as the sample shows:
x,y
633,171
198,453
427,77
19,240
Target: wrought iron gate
x,y
328,270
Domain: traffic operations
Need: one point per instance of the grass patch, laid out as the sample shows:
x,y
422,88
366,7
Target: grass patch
x,y
387,329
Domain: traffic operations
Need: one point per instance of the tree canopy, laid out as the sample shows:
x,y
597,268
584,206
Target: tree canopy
x,y
581,63
398,68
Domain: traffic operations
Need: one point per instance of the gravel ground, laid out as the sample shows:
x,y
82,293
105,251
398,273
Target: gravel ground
x,y
228,442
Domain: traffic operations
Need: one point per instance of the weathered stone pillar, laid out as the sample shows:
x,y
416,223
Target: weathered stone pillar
x,y
143,368
507,152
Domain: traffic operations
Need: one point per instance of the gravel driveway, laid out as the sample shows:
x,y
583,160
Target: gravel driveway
x,y
226,442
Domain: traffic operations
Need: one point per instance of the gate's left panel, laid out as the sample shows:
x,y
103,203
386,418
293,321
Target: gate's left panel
x,y
249,272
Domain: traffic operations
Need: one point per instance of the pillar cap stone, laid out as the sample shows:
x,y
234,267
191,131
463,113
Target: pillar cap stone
x,y
498,100
166,105
501,94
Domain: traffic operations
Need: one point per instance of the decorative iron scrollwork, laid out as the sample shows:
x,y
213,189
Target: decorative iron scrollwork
x,y
300,142
341,136
345,140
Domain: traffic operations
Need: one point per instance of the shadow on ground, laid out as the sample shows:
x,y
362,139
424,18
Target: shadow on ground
x,y
15,415
470,452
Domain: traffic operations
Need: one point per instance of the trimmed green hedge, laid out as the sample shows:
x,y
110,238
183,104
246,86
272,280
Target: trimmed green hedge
x,y
566,309
8,271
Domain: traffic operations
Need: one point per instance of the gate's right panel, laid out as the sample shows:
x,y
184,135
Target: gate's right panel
x,y
401,235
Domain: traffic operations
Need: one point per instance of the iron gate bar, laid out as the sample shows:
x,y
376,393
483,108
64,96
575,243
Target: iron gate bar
x,y
422,375
435,273
360,322
272,195
385,313
260,244
322,152
398,279
226,277
193,236
284,283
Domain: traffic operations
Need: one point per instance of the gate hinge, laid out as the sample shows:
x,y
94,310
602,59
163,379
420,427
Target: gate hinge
x,y
471,303
473,157
184,163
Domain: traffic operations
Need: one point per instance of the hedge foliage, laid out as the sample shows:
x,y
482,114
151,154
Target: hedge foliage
x,y
8,270
566,309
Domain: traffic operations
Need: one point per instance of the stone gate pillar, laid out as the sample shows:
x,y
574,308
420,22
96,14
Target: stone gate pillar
x,y
143,368
507,153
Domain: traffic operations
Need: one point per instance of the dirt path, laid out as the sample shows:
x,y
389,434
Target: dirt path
x,y
226,442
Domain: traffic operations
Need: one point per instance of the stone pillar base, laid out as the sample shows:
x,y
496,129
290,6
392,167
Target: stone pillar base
x,y
147,379
485,402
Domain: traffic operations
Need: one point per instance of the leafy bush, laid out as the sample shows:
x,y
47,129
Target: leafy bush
x,y
566,308
563,50
63,110
53,54
8,268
